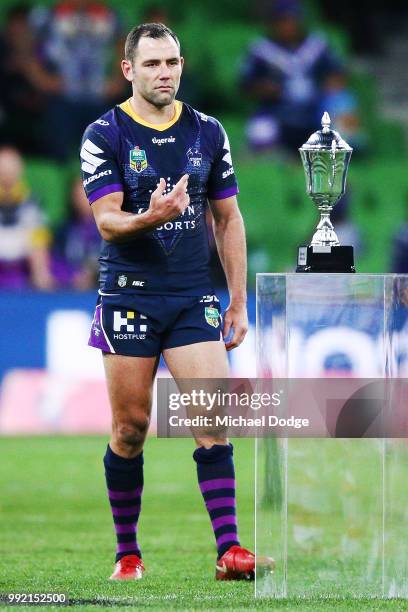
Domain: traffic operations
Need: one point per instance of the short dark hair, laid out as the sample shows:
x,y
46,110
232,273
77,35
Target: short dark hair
x,y
152,30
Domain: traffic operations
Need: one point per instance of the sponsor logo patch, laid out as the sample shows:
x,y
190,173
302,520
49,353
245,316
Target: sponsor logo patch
x,y
102,122
89,155
194,157
211,316
126,327
138,159
131,280
228,173
91,179
160,141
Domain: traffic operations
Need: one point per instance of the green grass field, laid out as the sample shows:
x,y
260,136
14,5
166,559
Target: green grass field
x,y
56,533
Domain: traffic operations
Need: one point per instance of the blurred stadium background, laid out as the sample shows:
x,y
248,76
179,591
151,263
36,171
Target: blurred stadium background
x,y
48,255
50,381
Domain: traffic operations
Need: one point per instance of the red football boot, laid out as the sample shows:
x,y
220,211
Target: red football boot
x,y
239,564
129,567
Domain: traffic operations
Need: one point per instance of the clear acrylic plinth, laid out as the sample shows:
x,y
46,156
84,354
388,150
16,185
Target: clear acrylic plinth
x,y
332,512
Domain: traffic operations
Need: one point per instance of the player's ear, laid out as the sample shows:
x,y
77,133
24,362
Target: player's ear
x,y
181,62
127,69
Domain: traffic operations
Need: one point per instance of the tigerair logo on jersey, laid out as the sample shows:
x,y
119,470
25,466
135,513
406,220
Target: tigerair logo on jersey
x,y
138,159
160,141
125,326
211,316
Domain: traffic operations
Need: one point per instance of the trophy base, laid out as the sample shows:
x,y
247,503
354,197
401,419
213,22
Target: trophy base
x,y
325,259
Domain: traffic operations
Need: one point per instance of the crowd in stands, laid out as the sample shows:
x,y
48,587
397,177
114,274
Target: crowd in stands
x,y
294,76
60,69
30,254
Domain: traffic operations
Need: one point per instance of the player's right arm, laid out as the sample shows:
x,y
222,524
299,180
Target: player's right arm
x,y
103,184
116,225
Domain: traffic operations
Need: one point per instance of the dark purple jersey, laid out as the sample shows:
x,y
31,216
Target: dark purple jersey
x,y
122,152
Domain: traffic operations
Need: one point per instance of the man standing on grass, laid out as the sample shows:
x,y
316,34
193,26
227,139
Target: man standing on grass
x,y
150,165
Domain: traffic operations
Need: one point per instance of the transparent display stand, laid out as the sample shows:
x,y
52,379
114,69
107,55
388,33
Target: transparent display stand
x,y
332,512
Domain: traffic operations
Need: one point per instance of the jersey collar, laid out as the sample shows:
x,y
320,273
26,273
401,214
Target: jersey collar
x,y
160,127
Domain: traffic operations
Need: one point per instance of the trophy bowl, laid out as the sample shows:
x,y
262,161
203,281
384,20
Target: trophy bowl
x,y
325,157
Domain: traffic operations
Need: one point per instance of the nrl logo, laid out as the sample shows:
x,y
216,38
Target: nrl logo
x,y
211,316
122,280
138,160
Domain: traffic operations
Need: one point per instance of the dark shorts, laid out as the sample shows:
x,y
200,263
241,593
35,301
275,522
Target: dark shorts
x,y
145,325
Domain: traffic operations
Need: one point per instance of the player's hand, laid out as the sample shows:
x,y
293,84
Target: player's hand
x,y
167,206
235,318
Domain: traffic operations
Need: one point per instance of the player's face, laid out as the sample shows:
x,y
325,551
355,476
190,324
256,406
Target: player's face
x,y
156,70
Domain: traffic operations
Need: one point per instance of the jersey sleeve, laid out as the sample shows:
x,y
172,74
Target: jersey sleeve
x,y
100,170
222,182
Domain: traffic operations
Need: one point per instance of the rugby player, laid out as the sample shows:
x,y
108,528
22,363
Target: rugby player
x,y
150,166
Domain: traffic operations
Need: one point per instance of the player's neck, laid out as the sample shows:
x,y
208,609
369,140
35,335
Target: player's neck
x,y
150,113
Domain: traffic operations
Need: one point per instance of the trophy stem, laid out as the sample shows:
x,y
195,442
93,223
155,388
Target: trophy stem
x,y
325,234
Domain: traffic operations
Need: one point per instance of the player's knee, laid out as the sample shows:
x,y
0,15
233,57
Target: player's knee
x,y
132,432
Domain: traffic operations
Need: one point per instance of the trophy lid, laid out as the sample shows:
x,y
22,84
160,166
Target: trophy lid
x,y
326,138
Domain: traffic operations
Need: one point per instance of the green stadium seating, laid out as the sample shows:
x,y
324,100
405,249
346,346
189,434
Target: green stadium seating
x,y
225,47
338,40
49,183
279,216
388,138
271,210
234,125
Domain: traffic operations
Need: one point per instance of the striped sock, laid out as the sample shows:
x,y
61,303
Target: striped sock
x,y
124,479
216,478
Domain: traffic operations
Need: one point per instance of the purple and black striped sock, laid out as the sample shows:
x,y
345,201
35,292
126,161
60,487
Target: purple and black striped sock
x,y
216,477
124,479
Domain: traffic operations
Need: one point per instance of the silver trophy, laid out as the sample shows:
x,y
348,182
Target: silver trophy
x,y
325,158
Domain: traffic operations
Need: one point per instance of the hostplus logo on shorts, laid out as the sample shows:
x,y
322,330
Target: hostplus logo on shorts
x,y
125,326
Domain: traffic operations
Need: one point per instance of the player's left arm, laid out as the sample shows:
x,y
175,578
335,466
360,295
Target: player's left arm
x,y
229,235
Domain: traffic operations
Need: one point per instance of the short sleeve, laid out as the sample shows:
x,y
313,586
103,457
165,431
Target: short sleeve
x,y
222,182
100,170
